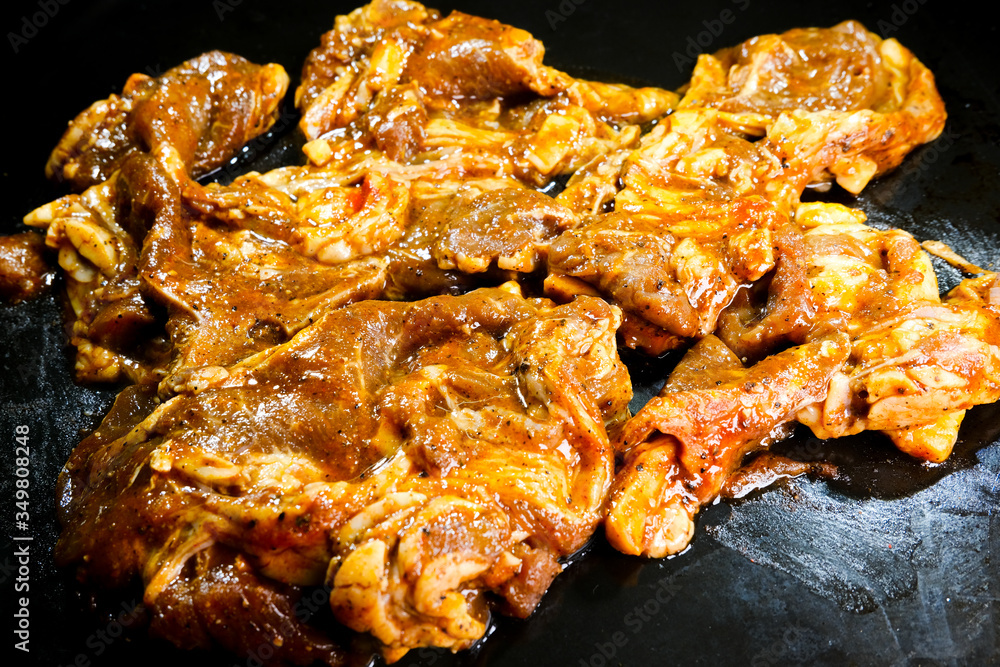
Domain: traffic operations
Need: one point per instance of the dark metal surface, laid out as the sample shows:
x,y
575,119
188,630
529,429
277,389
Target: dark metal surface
x,y
896,564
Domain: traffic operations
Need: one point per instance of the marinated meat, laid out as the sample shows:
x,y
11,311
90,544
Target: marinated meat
x,y
23,271
134,154
432,461
681,447
195,263
382,94
151,255
913,366
696,209
916,363
766,468
412,456
424,262
117,330
401,79
457,57
205,109
224,601
678,275
812,69
402,50
693,222
508,226
834,103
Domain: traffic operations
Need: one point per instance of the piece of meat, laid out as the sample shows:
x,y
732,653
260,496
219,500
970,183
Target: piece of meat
x,y
618,103
220,599
397,78
152,255
695,154
205,109
683,445
511,227
592,188
698,162
914,371
220,246
467,224
835,103
353,39
812,69
413,271
819,282
319,218
854,148
134,154
24,273
117,330
777,310
533,141
696,207
413,456
387,43
466,56
447,62
768,468
422,240
679,273
915,364
461,226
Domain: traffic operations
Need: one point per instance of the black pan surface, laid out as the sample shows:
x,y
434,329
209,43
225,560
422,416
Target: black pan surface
x,y
893,564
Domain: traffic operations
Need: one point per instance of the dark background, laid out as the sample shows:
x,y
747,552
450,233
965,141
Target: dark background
x,y
893,564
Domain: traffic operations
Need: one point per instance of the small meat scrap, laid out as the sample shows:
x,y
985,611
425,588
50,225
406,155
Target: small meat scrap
x,y
24,273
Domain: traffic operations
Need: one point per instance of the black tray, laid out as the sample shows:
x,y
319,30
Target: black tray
x,y
897,563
